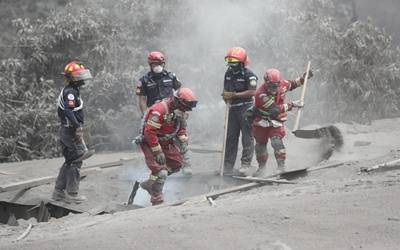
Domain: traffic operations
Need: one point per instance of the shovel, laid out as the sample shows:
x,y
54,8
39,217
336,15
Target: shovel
x,y
331,134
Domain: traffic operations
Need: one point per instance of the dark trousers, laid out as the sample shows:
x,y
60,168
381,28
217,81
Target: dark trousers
x,y
236,124
69,175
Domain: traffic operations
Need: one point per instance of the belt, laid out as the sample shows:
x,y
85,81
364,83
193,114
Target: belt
x,y
241,104
166,137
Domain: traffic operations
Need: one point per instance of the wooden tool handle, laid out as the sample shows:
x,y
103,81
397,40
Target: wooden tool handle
x,y
221,170
303,93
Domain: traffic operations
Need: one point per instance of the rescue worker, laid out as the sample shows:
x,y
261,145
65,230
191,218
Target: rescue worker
x,y
162,155
156,85
240,85
74,150
269,114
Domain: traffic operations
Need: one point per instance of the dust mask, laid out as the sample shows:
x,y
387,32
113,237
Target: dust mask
x,y
158,69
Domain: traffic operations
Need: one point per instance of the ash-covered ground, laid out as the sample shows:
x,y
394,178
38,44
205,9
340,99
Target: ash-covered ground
x,y
336,208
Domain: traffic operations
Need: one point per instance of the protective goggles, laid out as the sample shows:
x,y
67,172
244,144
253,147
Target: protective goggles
x,y
188,106
273,86
155,63
232,60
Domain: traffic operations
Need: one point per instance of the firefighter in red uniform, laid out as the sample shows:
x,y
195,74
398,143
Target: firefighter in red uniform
x,y
163,157
154,86
269,114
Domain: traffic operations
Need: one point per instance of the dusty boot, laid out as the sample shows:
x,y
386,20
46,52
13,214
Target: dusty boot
x,y
281,167
280,153
262,158
74,198
58,195
187,166
261,171
157,188
148,185
157,199
187,171
244,168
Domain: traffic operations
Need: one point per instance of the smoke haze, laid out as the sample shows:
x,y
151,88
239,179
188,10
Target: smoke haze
x,y
205,31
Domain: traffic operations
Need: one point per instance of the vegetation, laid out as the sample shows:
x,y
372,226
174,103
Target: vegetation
x,y
356,78
358,73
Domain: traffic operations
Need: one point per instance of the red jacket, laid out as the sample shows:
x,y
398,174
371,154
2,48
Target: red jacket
x,y
160,121
275,105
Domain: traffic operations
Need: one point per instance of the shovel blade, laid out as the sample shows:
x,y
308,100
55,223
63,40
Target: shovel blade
x,y
307,134
330,132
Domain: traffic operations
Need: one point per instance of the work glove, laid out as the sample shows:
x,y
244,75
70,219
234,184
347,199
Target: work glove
x,y
79,135
183,138
159,157
138,140
250,114
227,95
158,154
184,145
310,74
296,104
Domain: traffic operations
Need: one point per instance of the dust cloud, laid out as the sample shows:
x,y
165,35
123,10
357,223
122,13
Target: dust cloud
x,y
205,31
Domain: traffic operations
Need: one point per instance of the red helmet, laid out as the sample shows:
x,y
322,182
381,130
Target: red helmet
x,y
186,99
237,54
75,71
272,78
155,57
272,75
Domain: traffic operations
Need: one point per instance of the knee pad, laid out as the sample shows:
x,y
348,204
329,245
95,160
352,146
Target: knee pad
x,y
161,176
159,182
277,143
172,170
280,154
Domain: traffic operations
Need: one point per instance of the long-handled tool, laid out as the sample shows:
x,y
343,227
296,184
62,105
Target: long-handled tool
x,y
133,193
331,133
303,93
221,170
